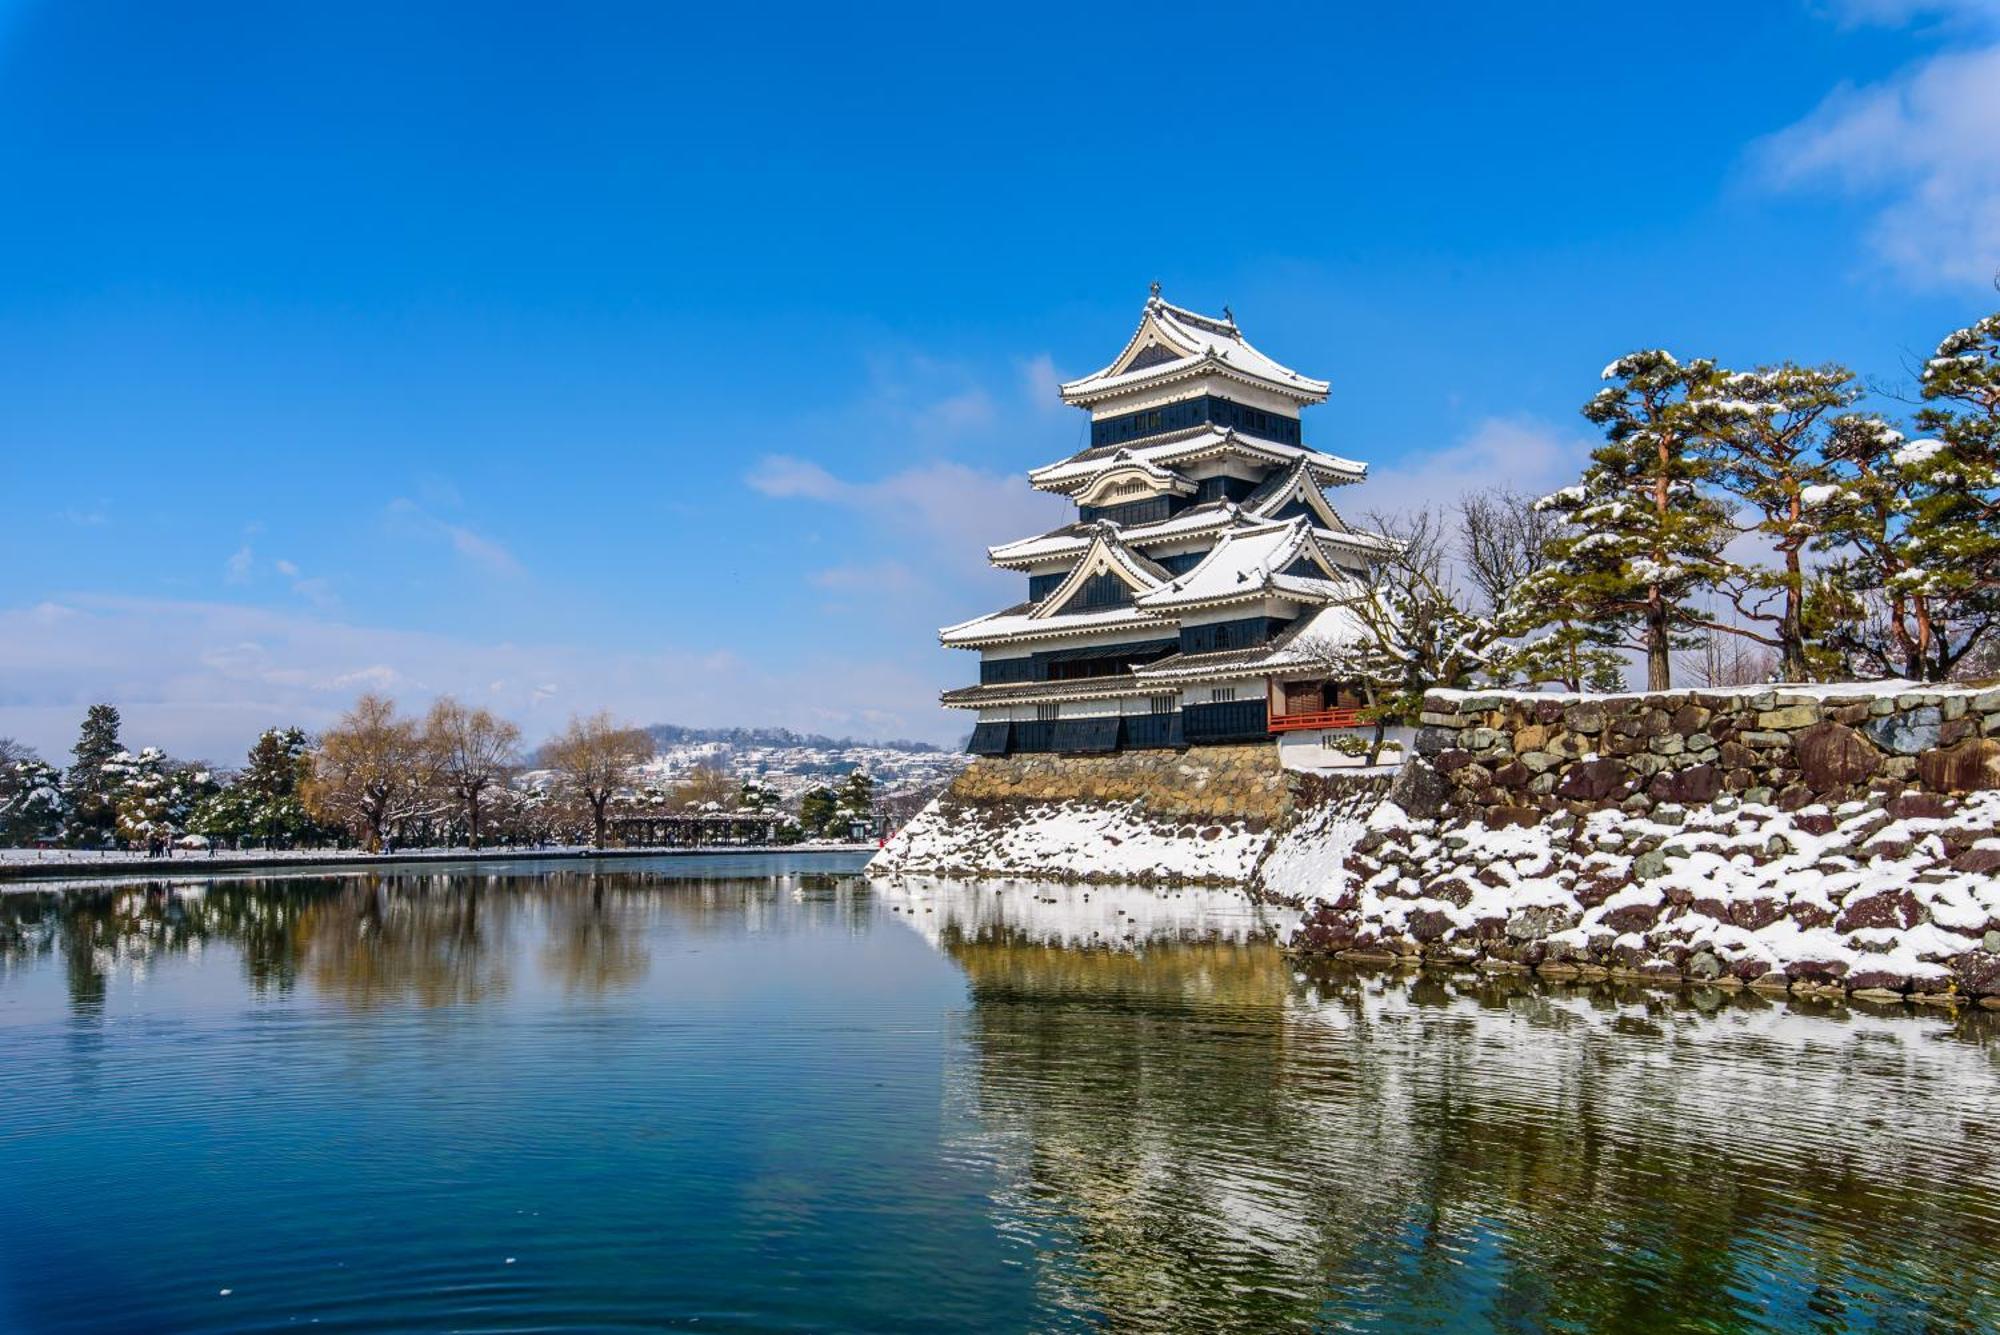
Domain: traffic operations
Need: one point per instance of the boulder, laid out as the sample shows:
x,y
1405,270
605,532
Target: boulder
x,y
1791,716
1432,741
1918,806
1596,780
1584,718
1693,786
1875,977
1751,914
1631,917
1833,755
1429,924
1898,909
1532,924
1985,860
1420,790
1908,733
1979,973
1971,766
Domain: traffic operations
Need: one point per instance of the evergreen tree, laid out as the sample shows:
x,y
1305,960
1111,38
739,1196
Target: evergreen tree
x,y
1768,433
1894,613
32,806
154,797
1955,516
264,803
88,786
855,800
817,810
1644,537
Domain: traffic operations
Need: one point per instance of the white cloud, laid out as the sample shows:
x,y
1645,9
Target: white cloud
x,y
316,590
476,548
953,505
1898,13
1924,147
236,570
871,577
1043,384
1528,455
203,679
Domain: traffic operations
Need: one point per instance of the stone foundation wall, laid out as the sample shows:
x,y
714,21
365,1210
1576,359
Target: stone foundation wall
x,y
1236,783
1207,816
1513,757
1840,841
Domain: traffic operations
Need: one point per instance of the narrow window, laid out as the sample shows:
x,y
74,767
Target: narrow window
x,y
1221,695
1047,713
1164,704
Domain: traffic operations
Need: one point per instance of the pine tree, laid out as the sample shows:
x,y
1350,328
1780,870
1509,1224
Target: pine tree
x,y
265,802
1767,435
154,797
88,786
1645,537
855,801
32,806
1955,519
1895,611
817,810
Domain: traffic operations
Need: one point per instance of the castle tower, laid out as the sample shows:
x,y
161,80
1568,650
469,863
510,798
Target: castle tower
x,y
1177,609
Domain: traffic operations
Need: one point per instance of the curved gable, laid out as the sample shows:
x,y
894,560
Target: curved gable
x,y
1106,559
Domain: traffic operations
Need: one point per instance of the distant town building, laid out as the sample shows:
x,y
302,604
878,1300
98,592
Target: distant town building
x,y
1182,606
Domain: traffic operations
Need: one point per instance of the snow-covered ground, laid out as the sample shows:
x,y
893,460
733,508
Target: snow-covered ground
x,y
1117,917
1858,896
1070,841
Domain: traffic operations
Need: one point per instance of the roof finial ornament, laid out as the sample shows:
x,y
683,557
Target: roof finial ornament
x,y
1156,289
1230,316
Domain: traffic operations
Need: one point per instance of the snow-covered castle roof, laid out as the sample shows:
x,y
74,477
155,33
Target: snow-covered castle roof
x,y
1172,342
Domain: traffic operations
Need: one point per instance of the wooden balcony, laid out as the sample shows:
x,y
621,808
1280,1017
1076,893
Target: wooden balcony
x,y
1323,718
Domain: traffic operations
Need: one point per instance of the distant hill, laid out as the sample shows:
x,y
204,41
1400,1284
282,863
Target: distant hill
x,y
673,734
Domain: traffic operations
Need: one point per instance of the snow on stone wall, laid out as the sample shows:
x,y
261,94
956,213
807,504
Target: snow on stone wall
x,y
1831,838
1202,816
1840,837
1075,840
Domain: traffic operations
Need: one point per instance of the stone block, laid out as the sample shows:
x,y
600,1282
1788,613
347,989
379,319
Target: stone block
x,y
1589,717
1594,780
1833,755
1787,718
1905,734
1971,766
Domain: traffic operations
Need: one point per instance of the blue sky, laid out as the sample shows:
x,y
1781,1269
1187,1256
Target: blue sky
x,y
685,363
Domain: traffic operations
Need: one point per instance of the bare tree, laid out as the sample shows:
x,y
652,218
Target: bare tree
x,y
471,751
370,771
593,756
1503,540
702,785
1721,659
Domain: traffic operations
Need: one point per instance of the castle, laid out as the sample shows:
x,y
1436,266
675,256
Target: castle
x,y
1195,598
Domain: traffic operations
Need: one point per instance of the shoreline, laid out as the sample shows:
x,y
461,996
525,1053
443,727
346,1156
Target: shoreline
x,y
57,868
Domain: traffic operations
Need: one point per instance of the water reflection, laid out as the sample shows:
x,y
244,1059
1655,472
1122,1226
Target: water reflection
x,y
1212,1138
1149,1119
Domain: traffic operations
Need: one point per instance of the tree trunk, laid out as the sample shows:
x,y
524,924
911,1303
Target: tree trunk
x,y
1659,655
597,818
1791,625
472,815
1921,606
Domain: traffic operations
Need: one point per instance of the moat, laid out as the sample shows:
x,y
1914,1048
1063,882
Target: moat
x,y
768,1094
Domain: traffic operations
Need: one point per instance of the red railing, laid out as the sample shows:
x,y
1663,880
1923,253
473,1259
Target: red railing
x,y
1325,718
